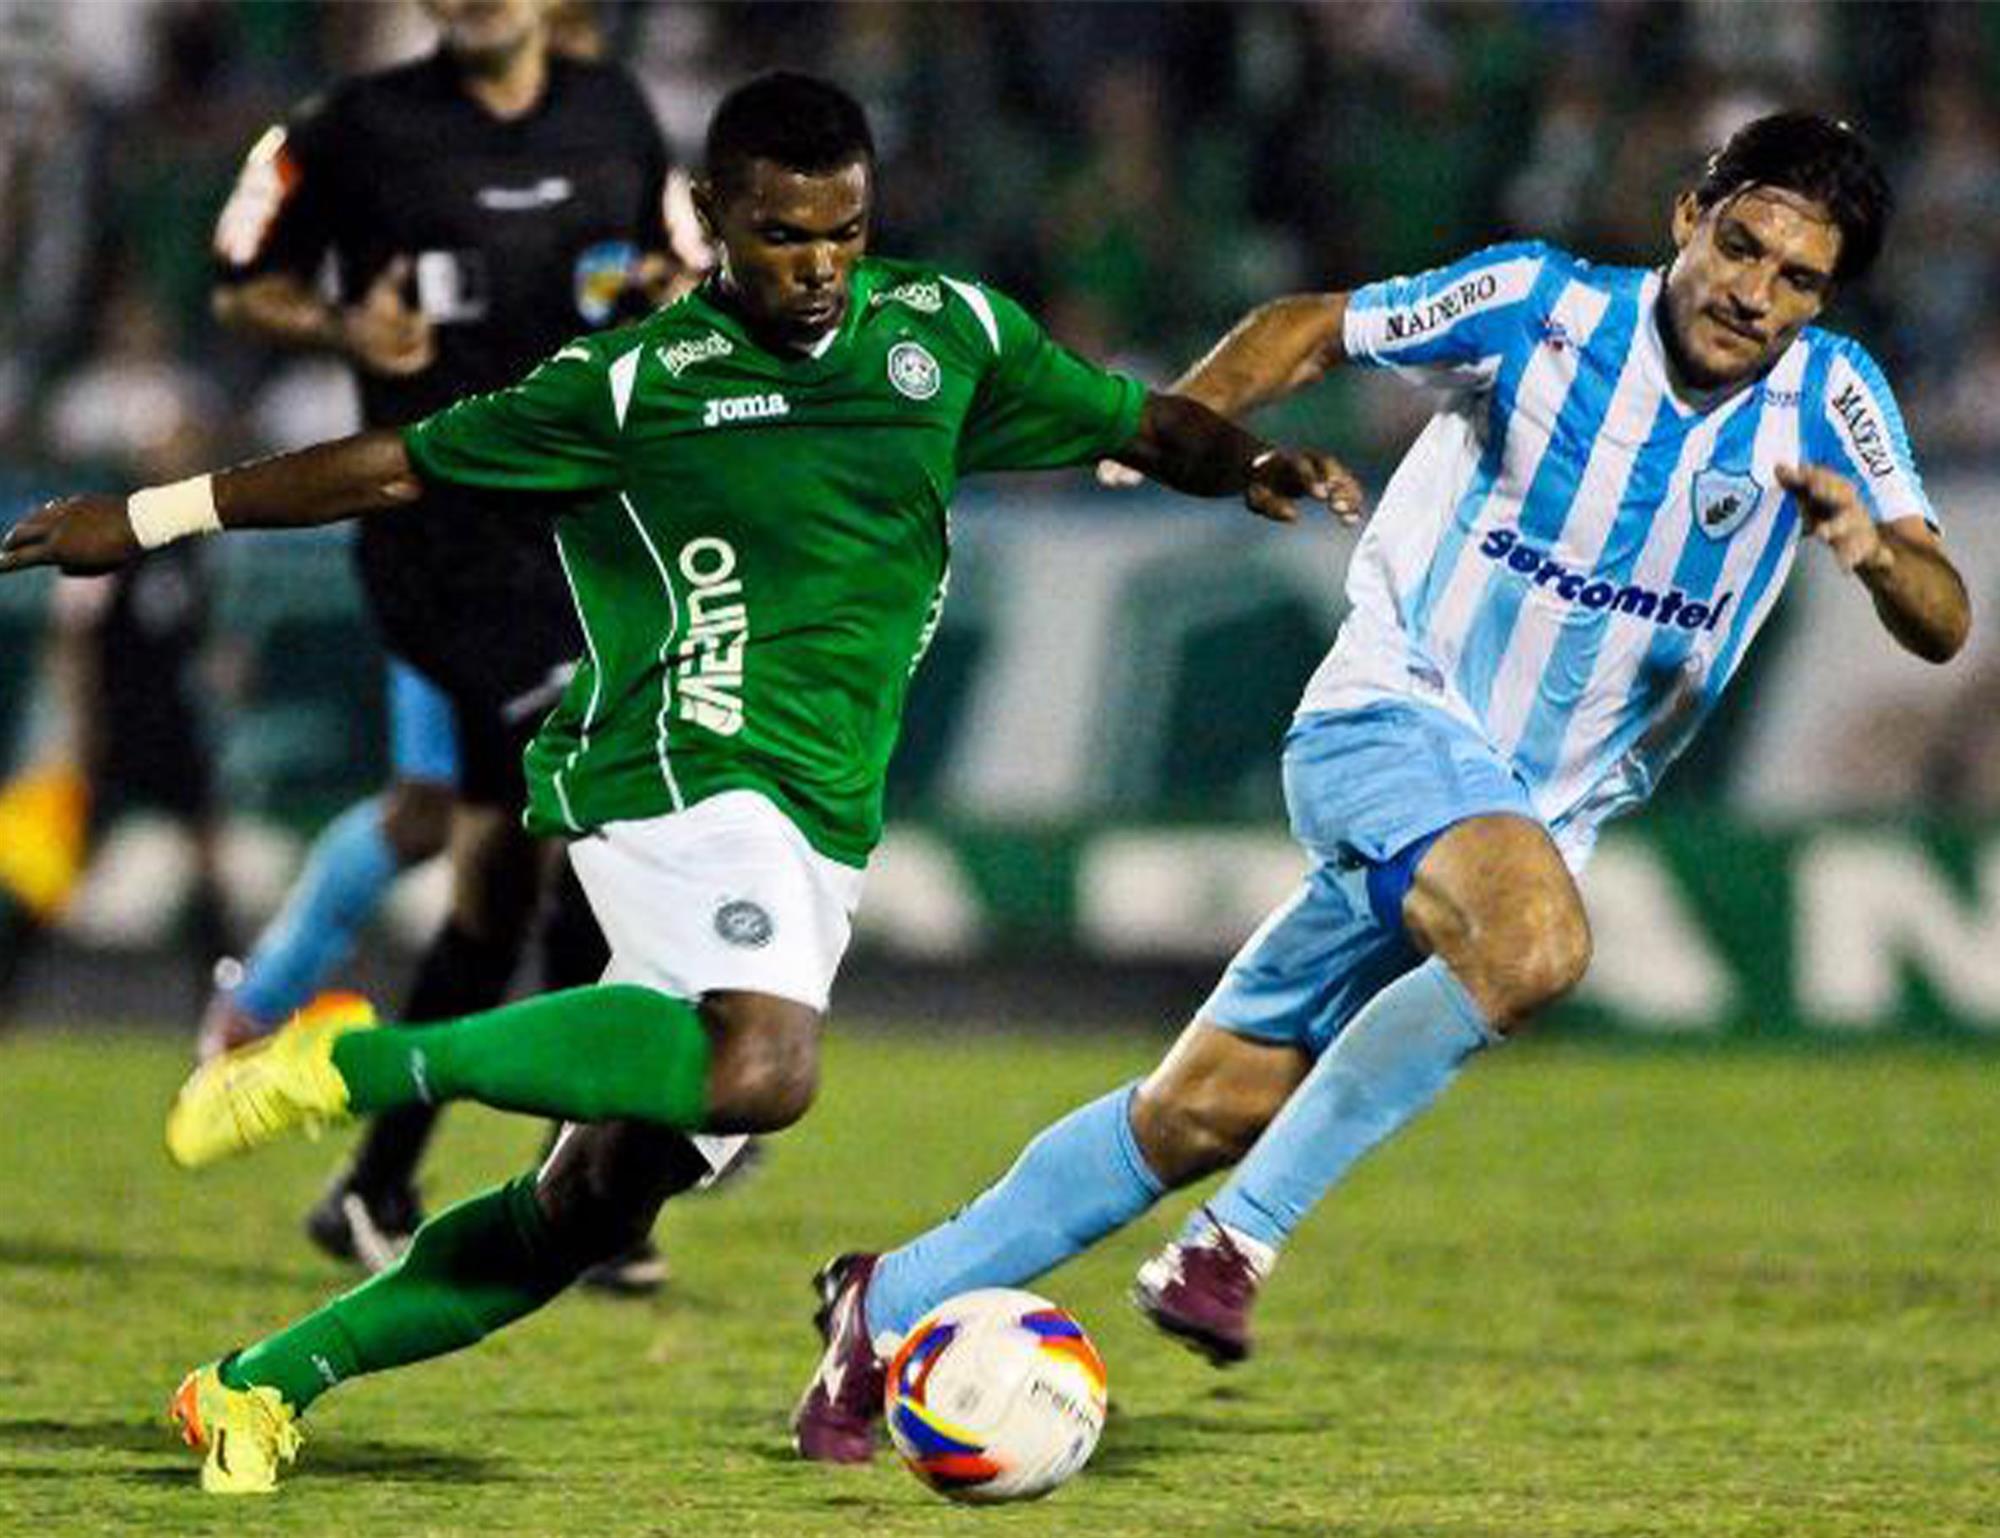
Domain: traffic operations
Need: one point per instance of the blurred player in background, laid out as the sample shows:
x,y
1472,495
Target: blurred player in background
x,y
477,208
120,725
1560,582
754,485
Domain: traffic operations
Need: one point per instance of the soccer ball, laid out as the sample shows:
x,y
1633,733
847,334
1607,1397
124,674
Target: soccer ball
x,y
995,1395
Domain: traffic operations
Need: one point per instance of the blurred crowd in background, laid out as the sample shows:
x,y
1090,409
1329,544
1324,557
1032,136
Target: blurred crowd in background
x,y
1138,174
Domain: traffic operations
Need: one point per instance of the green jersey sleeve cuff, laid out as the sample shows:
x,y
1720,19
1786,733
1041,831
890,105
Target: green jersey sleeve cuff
x,y
1131,406
423,458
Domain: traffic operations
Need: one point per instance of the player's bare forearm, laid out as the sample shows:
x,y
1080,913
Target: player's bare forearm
x,y
1185,445
1278,348
348,478
280,308
328,483
1919,595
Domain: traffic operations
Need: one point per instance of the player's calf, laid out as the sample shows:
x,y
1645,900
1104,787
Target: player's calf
x,y
1208,1102
603,1186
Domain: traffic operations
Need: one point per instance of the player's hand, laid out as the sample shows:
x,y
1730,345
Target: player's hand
x,y
1279,476
1835,515
79,535
382,333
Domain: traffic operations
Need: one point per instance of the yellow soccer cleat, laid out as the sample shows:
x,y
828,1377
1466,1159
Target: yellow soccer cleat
x,y
244,1435
283,1082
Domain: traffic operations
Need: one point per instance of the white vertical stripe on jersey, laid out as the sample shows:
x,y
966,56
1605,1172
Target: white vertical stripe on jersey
x,y
1624,646
1610,699
1538,404
1628,421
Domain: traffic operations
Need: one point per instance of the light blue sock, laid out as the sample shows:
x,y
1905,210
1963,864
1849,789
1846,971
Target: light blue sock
x,y
1079,1180
351,866
1394,1058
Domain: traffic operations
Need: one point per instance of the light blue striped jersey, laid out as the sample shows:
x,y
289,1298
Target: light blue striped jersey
x,y
1574,554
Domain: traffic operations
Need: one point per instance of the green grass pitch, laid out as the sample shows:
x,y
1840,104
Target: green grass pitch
x,y
1596,1292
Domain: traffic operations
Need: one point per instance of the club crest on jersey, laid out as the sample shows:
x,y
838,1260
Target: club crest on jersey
x,y
1724,500
602,272
913,371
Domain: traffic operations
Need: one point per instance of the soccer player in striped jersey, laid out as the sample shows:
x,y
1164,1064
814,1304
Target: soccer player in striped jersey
x,y
1560,581
750,491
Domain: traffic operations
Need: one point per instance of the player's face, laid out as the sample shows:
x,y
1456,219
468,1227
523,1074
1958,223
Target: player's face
x,y
480,30
789,242
1752,272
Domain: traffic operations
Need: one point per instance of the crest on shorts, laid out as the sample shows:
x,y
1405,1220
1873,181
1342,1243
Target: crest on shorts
x,y
913,371
1724,500
742,922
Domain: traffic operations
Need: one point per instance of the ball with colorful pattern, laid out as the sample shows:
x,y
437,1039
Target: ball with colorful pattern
x,y
996,1395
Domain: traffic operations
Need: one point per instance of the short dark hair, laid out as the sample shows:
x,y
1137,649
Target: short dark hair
x,y
1817,157
800,122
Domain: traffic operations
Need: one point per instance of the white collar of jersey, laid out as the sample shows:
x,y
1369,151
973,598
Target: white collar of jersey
x,y
818,349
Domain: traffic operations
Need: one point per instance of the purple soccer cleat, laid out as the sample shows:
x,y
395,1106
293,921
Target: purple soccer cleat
x,y
1200,1293
835,1420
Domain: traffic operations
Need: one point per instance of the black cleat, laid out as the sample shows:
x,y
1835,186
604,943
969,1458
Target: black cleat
x,y
640,1272
370,1228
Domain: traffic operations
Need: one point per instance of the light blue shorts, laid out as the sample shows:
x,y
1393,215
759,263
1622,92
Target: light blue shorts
x,y
423,735
1368,791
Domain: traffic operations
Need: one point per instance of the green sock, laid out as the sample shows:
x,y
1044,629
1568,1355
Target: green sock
x,y
471,1269
587,1054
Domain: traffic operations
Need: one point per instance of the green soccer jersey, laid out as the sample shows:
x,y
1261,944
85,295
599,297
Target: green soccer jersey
x,y
757,541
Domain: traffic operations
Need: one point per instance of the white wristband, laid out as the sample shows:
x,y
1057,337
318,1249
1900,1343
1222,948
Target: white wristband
x,y
159,515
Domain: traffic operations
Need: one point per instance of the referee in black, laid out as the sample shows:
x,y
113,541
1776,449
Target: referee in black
x,y
475,210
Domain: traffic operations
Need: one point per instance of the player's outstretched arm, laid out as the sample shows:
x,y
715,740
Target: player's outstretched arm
x,y
347,478
1278,348
1918,593
1184,444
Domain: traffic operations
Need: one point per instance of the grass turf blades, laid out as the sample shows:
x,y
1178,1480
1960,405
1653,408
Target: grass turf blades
x,y
1596,1292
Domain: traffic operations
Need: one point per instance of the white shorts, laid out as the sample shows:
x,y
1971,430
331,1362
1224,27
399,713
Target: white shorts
x,y
727,895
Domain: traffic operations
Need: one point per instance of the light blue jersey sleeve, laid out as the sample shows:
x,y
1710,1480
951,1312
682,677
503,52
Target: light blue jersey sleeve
x,y
1857,431
1450,327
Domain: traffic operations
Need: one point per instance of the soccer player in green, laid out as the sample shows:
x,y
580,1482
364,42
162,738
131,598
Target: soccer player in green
x,y
750,492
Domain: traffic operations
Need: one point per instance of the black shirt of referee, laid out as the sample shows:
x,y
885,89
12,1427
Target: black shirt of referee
x,y
510,236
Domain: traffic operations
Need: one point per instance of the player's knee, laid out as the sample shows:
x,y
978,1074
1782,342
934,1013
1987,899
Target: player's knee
x,y
764,1071
1542,954
1185,1136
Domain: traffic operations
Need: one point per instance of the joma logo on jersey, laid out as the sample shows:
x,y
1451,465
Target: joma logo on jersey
x,y
708,665
745,408
1864,432
696,349
1445,308
1673,607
